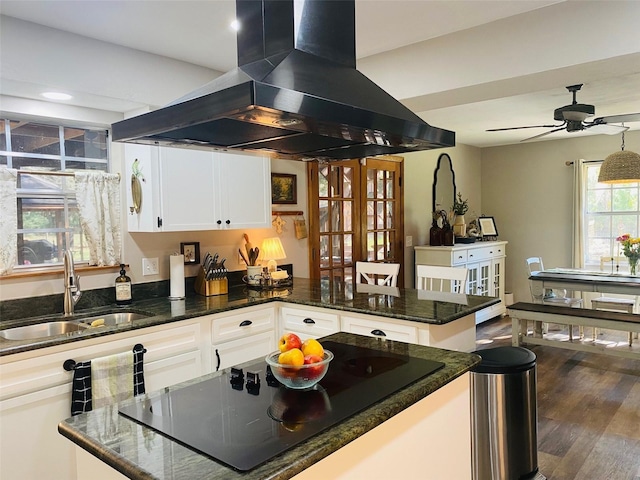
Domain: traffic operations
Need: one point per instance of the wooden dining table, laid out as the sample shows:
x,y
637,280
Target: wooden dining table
x,y
579,280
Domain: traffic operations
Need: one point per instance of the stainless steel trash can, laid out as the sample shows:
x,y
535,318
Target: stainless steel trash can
x,y
504,415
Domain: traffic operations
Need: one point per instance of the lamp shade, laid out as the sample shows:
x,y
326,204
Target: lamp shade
x,y
272,250
620,167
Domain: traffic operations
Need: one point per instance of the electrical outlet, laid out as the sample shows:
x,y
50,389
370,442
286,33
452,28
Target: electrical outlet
x,y
409,241
150,266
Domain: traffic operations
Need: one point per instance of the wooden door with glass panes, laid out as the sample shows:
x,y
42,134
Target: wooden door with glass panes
x,y
357,207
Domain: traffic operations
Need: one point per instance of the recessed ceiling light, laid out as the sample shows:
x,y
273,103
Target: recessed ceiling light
x,y
235,25
57,96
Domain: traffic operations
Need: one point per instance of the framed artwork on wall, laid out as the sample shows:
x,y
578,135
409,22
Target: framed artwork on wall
x,y
191,252
283,188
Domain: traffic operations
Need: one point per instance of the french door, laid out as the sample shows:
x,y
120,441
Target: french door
x,y
358,205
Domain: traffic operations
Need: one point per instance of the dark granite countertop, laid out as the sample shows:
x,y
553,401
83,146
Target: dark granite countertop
x,y
139,452
404,304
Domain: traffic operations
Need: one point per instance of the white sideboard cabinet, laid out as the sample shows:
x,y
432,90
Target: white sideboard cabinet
x,y
189,190
485,262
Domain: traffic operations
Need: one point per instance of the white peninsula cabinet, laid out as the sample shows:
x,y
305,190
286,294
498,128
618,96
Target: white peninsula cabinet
x,y
485,262
190,190
35,392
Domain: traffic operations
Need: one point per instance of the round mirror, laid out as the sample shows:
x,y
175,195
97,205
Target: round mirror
x,y
444,184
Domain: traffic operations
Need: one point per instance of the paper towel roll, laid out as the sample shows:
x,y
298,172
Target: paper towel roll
x,y
176,264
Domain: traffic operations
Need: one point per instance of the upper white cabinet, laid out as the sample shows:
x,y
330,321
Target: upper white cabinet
x,y
485,262
173,189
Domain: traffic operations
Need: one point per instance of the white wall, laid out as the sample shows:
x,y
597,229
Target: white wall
x,y
419,168
528,189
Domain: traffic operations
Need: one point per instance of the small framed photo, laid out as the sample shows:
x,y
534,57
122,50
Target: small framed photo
x,y
191,252
488,227
283,188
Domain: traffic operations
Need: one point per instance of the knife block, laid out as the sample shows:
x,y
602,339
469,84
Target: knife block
x,y
208,288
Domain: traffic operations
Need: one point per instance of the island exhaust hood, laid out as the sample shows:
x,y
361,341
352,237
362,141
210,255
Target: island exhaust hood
x,y
295,94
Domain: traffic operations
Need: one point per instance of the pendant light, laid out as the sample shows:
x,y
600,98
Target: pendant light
x,y
620,167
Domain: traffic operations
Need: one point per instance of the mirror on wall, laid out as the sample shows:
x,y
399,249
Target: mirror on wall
x,y
444,184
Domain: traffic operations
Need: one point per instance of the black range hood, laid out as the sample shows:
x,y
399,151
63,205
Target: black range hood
x,y
295,94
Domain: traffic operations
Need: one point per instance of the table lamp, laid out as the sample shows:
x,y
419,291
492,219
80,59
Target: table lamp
x,y
271,250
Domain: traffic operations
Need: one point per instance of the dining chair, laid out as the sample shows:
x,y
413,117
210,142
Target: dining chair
x,y
442,279
613,304
374,273
548,296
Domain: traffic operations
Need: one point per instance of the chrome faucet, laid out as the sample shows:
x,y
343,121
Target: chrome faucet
x,y
72,291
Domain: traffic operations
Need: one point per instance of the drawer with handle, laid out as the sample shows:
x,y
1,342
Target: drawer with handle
x,y
231,327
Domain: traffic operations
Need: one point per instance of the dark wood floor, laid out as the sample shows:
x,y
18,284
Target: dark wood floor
x,y
588,409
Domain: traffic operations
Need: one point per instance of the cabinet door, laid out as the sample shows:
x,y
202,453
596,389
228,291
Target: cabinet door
x,y
188,192
375,328
141,166
235,352
244,187
479,278
31,447
308,323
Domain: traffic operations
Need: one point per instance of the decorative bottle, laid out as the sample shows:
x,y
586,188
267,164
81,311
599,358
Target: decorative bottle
x,y
123,287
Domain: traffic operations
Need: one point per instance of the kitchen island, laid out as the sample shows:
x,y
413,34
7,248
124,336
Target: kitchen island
x,y
421,429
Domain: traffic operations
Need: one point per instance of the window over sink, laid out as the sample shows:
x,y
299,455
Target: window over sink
x,y
46,156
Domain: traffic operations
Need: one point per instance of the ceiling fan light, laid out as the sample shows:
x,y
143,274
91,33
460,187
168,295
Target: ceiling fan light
x,y
620,167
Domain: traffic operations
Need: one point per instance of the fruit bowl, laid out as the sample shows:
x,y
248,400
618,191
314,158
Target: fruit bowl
x,y
302,376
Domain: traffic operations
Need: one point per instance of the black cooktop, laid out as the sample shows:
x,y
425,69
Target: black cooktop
x,y
243,423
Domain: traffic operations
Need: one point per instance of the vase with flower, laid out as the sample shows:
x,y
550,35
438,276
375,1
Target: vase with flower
x,y
631,250
460,207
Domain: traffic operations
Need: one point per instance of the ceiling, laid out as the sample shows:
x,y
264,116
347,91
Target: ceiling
x,y
198,32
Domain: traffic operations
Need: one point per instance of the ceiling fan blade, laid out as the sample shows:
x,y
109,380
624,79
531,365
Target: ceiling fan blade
x,y
606,128
518,128
627,117
543,134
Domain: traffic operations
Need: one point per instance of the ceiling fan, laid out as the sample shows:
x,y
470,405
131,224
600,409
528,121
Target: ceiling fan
x,y
573,119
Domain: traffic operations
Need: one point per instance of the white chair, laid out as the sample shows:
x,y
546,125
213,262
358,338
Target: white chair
x,y
374,273
613,304
550,296
441,279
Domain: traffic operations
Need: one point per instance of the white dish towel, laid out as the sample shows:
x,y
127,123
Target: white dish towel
x,y
112,379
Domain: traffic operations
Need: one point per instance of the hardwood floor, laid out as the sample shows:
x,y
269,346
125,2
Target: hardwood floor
x,y
588,409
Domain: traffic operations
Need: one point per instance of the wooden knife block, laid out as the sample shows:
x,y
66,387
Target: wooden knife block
x,y
208,288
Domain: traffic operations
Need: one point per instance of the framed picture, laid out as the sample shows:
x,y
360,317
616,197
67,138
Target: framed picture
x,y
488,227
284,189
191,252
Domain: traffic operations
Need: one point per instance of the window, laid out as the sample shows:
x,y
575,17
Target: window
x,y
609,211
47,155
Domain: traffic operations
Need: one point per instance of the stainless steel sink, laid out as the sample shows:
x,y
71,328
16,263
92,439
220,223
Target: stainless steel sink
x,y
42,330
64,327
112,319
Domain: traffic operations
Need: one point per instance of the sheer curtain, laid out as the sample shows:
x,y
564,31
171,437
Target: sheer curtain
x,y
98,197
8,220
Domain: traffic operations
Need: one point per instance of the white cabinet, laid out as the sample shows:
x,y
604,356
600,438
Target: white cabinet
x,y
36,393
308,322
241,337
190,190
372,327
485,262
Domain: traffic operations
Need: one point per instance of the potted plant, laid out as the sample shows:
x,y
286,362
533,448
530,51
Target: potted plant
x,y
460,207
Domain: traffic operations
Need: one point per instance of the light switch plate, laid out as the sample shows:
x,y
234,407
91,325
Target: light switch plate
x,y
409,241
150,266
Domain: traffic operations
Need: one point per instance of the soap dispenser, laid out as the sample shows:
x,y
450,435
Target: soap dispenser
x,y
123,287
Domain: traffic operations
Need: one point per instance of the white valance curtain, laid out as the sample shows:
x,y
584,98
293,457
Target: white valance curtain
x,y
98,197
8,220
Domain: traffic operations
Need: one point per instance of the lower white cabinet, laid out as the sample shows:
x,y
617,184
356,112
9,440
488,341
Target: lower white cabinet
x,y
36,393
237,338
308,322
485,262
386,329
